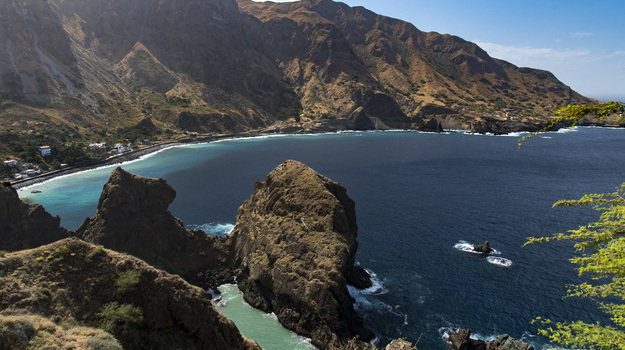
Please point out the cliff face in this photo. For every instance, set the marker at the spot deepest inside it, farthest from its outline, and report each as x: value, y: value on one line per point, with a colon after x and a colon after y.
x: 294, y: 245
x: 133, y: 217
x: 25, y: 226
x: 73, y: 284
x: 224, y: 66
x: 335, y: 52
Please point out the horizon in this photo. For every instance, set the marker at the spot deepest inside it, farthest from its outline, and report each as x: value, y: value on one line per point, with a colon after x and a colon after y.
x: 580, y: 43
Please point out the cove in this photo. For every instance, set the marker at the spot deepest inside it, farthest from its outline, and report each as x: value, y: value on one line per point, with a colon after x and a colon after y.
x: 418, y: 196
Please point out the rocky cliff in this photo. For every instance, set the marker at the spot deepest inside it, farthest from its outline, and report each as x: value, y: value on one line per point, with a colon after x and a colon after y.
x: 294, y: 246
x: 133, y: 217
x: 25, y: 226
x: 94, y: 69
x: 70, y: 285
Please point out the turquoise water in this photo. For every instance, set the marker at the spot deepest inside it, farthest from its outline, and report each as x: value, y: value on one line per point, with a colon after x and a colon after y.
x: 420, y: 198
x: 257, y: 325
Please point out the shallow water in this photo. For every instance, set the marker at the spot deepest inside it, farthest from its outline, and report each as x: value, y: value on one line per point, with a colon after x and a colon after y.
x: 253, y: 324
x: 417, y: 196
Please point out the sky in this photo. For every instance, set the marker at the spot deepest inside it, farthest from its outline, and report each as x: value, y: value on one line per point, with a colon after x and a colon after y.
x: 582, y: 42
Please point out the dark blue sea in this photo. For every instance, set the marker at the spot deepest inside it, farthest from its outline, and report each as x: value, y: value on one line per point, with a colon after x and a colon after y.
x: 420, y: 198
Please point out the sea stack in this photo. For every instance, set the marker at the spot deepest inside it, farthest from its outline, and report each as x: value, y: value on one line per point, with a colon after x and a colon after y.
x: 133, y: 217
x: 294, y: 246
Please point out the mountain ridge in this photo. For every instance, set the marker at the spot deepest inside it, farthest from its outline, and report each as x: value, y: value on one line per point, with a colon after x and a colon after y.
x: 72, y: 71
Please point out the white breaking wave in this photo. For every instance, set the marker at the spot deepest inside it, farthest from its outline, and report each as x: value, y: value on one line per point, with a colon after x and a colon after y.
x: 360, y: 295
x: 213, y: 228
x: 495, y: 260
x: 468, y: 247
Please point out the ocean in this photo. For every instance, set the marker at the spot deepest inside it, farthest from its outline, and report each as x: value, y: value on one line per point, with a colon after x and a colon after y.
x: 421, y: 199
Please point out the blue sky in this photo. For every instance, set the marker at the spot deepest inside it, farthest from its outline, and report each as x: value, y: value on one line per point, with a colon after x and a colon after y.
x: 581, y: 41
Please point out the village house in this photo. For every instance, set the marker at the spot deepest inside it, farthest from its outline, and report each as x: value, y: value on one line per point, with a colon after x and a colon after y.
x: 101, y: 145
x: 10, y: 163
x: 45, y: 151
x: 121, y: 148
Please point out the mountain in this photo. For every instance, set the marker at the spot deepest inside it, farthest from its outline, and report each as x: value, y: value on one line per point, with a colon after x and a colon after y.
x: 76, y: 70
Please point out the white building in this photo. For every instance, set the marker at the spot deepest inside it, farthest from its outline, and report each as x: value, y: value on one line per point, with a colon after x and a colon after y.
x: 45, y: 151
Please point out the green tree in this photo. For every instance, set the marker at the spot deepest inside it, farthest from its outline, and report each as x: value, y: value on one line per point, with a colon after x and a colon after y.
x: 574, y: 113
x: 601, y: 257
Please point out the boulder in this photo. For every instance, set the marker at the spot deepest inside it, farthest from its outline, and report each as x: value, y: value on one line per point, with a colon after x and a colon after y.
x: 461, y: 341
x: 483, y: 248
x: 400, y: 344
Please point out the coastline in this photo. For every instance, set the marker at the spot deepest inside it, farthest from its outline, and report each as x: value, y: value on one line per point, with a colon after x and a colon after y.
x: 150, y: 150
x: 123, y: 158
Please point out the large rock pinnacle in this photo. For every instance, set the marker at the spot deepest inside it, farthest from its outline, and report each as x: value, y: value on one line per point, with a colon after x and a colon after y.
x: 294, y: 246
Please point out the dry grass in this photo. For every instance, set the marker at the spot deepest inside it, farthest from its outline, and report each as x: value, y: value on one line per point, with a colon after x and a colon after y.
x: 28, y: 331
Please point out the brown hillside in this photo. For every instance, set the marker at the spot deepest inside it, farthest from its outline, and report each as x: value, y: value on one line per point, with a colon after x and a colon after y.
x: 73, y: 70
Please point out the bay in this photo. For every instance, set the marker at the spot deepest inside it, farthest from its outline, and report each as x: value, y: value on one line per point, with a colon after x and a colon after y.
x: 419, y: 197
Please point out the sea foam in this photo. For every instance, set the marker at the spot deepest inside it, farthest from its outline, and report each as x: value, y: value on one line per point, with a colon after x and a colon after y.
x: 213, y: 228
x: 468, y: 247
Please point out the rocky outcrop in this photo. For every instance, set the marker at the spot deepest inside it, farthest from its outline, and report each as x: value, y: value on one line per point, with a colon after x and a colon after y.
x: 461, y: 341
x: 483, y: 248
x: 294, y: 245
x: 400, y: 344
x: 432, y: 125
x: 76, y: 283
x: 24, y: 226
x: 133, y: 217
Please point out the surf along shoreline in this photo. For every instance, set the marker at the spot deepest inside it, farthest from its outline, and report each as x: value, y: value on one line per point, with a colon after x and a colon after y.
x: 126, y: 157
x: 138, y: 153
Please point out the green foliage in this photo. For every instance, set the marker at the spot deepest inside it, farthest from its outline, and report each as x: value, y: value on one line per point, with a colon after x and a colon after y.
x: 28, y: 200
x: 116, y: 318
x: 601, y: 258
x: 574, y: 114
x: 127, y: 281
x: 99, y: 250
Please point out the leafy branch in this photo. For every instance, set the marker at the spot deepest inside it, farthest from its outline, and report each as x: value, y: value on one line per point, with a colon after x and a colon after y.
x: 602, y: 259
x: 574, y: 113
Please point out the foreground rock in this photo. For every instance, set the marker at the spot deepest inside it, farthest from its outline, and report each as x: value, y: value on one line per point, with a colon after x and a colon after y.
x: 461, y: 341
x: 25, y: 226
x: 400, y: 344
x: 294, y: 246
x: 133, y: 217
x: 73, y: 284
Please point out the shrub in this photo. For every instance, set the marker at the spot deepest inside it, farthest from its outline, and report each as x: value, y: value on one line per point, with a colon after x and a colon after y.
x: 126, y: 281
x: 116, y: 318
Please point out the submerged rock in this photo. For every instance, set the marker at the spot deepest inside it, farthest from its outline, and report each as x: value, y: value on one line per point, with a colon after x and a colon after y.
x: 294, y: 246
x: 24, y: 226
